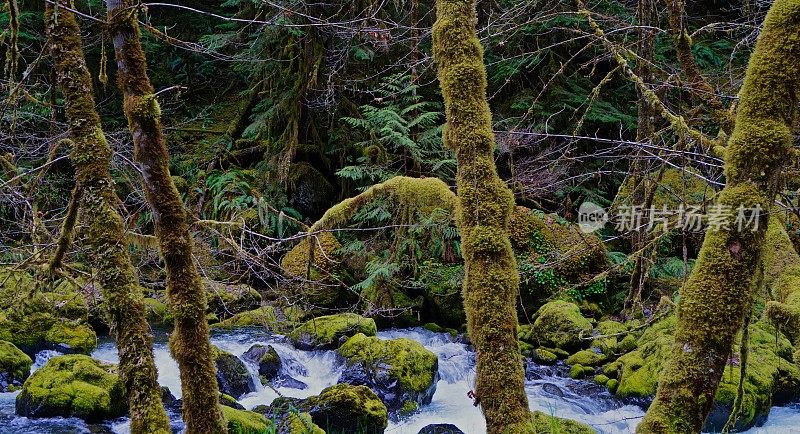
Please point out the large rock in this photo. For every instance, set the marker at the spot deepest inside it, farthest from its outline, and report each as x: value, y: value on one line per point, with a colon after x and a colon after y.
x: 51, y: 318
x: 440, y: 428
x: 559, y: 324
x: 233, y: 377
x: 329, y: 331
x: 226, y: 300
x: 339, y: 409
x: 267, y: 359
x: 73, y: 386
x: 15, y: 366
x: 772, y: 376
x: 401, y: 371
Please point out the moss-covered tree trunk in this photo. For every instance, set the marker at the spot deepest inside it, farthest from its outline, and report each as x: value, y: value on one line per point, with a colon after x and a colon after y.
x: 491, y: 281
x: 719, y: 291
x: 91, y: 156
x: 189, y: 342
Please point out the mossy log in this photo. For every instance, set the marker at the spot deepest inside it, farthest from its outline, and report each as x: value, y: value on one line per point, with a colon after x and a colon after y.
x: 491, y: 280
x: 719, y: 292
x: 91, y: 156
x: 186, y: 296
x: 782, y: 282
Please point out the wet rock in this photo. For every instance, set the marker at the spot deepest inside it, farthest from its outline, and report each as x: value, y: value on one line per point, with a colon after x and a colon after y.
x: 15, y: 366
x: 440, y: 428
x: 267, y: 359
x: 552, y: 389
x: 233, y: 377
x: 73, y: 386
x: 400, y: 371
x: 559, y: 324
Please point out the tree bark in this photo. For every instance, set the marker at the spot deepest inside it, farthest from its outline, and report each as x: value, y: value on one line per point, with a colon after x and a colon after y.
x: 189, y: 342
x: 91, y: 156
x: 491, y: 281
x: 720, y: 289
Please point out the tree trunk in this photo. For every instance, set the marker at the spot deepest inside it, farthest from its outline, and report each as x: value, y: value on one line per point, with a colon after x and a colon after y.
x: 491, y: 280
x: 91, y: 156
x: 719, y: 291
x: 189, y: 342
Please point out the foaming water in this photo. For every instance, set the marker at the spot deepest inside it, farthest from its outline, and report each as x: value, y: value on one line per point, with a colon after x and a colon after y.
x: 549, y: 389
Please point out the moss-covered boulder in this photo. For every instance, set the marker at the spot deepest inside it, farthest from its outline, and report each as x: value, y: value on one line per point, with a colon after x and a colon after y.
x: 233, y: 377
x: 610, y: 334
x: 543, y: 356
x: 73, y: 386
x: 547, y: 424
x: 772, y: 376
x: 314, y: 283
x: 346, y: 409
x: 400, y: 371
x: 226, y: 300
x: 329, y: 331
x: 298, y: 423
x: 586, y: 358
x: 246, y: 422
x: 35, y: 318
x: 267, y: 359
x: 14, y: 367
x: 560, y: 324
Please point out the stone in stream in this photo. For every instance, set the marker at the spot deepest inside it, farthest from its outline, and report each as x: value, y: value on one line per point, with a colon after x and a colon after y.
x: 440, y: 428
x: 267, y: 359
x: 233, y: 377
x: 14, y: 367
x: 401, y: 371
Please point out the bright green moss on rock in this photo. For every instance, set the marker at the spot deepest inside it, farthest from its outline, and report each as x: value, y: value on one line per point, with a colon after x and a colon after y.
x: 232, y: 375
x: 772, y: 376
x: 264, y: 316
x: 547, y: 424
x: 560, y: 324
x: 245, y: 422
x: 346, y: 409
x: 313, y: 282
x: 544, y: 357
x: 580, y: 371
x: 226, y: 300
x: 399, y: 370
x: 73, y: 386
x: 610, y: 344
x: 586, y: 358
x: 78, y: 338
x: 327, y: 331
x: 14, y: 366
x: 301, y: 423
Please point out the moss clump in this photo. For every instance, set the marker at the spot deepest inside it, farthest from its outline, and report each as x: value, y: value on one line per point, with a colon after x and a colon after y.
x: 313, y: 282
x: 546, y: 424
x: 399, y: 370
x: 263, y: 316
x: 156, y: 311
x: 245, y: 422
x: 544, y: 357
x: 612, y: 384
x: 301, y: 423
x: 328, y: 331
x: 580, y: 371
x: 79, y: 338
x: 345, y: 409
x: 610, y: 345
x: 73, y: 386
x: 14, y: 366
x: 601, y: 379
x: 586, y: 358
x: 560, y: 324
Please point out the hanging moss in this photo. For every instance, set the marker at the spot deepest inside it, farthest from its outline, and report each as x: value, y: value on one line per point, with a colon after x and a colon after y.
x: 105, y: 232
x: 782, y: 281
x: 484, y: 209
x: 189, y: 342
x: 719, y: 291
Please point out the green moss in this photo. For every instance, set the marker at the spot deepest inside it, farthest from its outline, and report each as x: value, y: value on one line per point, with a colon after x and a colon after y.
x: 245, y: 422
x: 14, y: 365
x: 586, y: 358
x: 226, y: 300
x: 612, y: 385
x: 580, y: 371
x: 560, y: 324
x: 433, y: 327
x: 326, y: 331
x: 412, y: 365
x: 73, y: 386
x: 544, y: 357
x: 408, y: 408
x: 79, y: 338
x: 156, y: 311
x: 344, y: 409
x: 600, y: 379
x: 264, y: 316
x: 610, y: 345
x: 547, y: 424
x: 301, y: 423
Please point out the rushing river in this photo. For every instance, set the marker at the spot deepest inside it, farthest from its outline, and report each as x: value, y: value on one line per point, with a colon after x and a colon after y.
x: 549, y: 389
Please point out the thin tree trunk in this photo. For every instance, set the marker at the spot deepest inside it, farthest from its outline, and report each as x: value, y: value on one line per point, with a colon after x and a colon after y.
x: 491, y: 281
x: 91, y: 156
x: 189, y: 342
x: 719, y: 291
